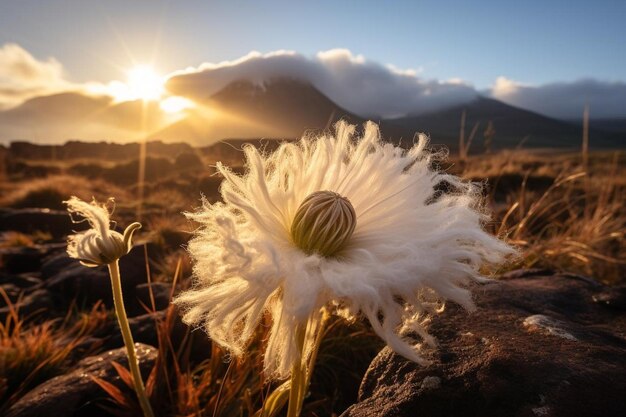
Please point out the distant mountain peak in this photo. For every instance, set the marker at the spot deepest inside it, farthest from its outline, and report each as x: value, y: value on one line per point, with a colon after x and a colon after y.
x: 278, y: 108
x: 512, y: 125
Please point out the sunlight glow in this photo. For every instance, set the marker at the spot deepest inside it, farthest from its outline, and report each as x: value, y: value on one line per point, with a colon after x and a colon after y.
x: 175, y: 104
x: 145, y: 84
x: 142, y: 83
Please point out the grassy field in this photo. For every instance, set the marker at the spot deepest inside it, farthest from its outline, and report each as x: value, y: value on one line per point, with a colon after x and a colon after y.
x: 562, y: 211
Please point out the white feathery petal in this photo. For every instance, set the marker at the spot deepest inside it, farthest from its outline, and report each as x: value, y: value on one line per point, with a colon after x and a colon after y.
x: 418, y: 241
x: 98, y: 245
x: 96, y: 214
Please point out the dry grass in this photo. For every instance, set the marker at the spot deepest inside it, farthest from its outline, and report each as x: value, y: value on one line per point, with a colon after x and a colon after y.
x: 557, y: 214
x: 216, y: 385
x: 16, y: 240
x: 12, y: 239
x: 179, y: 386
x: 223, y: 386
x: 169, y: 200
x: 177, y: 263
x: 575, y: 222
x: 170, y: 232
x: 50, y: 192
x: 31, y: 354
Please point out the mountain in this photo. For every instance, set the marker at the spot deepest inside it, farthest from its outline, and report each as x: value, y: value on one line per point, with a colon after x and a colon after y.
x: 616, y: 125
x: 285, y: 108
x: 282, y: 108
x: 63, y: 116
x: 513, y: 127
x: 102, y: 151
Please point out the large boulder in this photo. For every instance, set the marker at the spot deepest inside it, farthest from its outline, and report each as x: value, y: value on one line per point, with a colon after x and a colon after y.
x: 540, y: 344
x: 16, y: 260
x: 69, y: 280
x: 73, y: 393
x: 19, y: 280
x: 56, y: 222
x: 143, y: 328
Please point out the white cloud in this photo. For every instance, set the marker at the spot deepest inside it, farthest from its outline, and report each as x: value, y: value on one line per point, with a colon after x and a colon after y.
x: 23, y: 76
x: 565, y: 100
x: 361, y: 86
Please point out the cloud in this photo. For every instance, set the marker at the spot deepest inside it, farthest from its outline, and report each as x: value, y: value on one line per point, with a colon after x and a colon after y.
x: 564, y: 100
x: 361, y: 86
x: 23, y: 76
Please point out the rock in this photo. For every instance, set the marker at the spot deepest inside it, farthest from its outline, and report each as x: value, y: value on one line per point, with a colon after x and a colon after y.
x: 548, y: 325
x: 85, y: 285
x: 143, y: 328
x: 612, y: 297
x: 523, y: 273
x: 55, y: 264
x: 56, y: 222
x: 64, y: 395
x: 26, y: 258
x: 20, y: 259
x: 39, y: 301
x: 19, y: 280
x: 69, y: 279
x: 538, y: 345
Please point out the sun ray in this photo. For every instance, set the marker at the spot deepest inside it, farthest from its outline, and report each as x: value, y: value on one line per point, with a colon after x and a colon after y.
x: 145, y: 84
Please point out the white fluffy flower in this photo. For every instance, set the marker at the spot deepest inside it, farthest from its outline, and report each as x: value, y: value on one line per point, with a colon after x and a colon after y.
x: 411, y: 247
x: 98, y: 245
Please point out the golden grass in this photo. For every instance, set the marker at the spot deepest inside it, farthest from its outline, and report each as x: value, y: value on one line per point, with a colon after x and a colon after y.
x: 177, y: 263
x: 576, y: 223
x: 16, y: 240
x: 31, y: 354
x: 559, y: 215
x: 50, y: 192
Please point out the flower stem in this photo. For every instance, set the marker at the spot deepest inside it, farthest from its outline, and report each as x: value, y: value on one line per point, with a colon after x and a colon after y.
x: 302, y: 370
x: 122, y: 319
x: 298, y: 376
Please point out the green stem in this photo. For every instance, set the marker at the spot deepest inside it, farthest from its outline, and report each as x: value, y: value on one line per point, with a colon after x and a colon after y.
x: 122, y: 319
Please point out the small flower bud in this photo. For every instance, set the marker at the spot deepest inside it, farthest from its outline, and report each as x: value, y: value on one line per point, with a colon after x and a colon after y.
x: 98, y: 245
x: 94, y: 250
x: 323, y: 223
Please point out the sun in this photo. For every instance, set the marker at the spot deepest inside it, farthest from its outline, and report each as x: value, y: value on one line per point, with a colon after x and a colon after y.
x: 144, y: 83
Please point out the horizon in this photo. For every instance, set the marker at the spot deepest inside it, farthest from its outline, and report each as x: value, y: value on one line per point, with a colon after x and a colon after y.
x: 171, y: 58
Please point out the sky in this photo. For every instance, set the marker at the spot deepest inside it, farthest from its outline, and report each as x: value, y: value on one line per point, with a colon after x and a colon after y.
x: 547, y: 56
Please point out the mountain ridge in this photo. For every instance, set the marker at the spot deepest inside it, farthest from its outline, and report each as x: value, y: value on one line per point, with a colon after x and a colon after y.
x: 284, y: 108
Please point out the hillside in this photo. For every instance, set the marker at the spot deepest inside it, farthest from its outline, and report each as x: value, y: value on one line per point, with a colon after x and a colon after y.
x: 65, y: 116
x: 513, y: 126
x: 283, y: 108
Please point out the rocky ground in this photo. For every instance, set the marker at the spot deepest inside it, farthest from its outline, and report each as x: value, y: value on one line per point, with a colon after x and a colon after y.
x: 541, y: 343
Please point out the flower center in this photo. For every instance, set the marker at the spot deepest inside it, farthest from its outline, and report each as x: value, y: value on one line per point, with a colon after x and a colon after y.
x: 323, y: 223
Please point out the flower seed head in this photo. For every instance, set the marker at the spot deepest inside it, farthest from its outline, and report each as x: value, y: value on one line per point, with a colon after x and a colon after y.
x: 323, y: 223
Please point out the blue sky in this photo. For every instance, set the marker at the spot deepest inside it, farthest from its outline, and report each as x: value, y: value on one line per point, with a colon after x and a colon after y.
x: 533, y: 42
